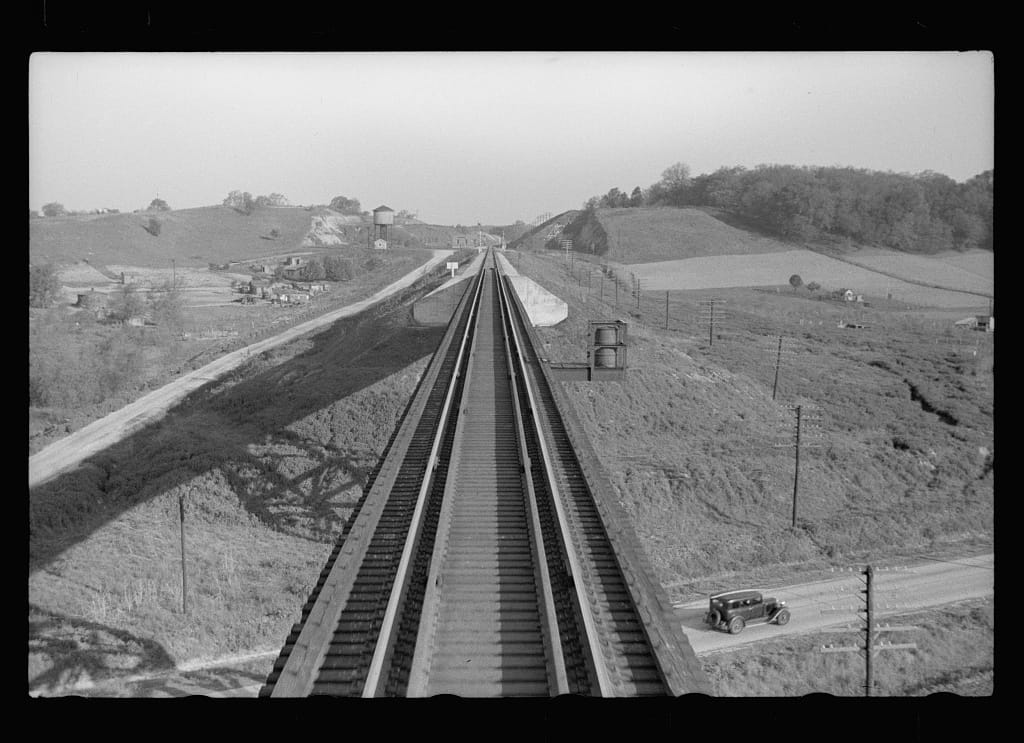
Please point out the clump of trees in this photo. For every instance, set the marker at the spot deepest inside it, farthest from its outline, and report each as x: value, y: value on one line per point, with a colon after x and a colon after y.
x: 345, y: 205
x: 158, y: 205
x: 337, y: 268
x: 43, y: 285
x: 241, y: 201
x: 244, y: 202
x: 795, y: 281
x: 927, y: 212
x: 53, y: 209
x: 274, y: 199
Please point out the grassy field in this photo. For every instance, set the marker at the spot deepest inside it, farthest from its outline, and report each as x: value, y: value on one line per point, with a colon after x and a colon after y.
x: 667, y: 233
x: 954, y: 654
x: 905, y: 445
x: 971, y: 271
x: 775, y: 269
x: 193, y: 237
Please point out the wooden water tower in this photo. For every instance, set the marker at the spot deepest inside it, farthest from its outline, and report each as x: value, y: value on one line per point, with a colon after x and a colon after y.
x: 383, y: 217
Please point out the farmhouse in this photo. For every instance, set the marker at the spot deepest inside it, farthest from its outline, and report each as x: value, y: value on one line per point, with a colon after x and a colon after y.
x: 984, y: 323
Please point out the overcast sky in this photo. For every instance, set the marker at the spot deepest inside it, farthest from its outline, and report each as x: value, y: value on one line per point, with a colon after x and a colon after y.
x: 484, y: 137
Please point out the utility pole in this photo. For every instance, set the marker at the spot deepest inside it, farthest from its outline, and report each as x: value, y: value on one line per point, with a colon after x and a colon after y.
x: 806, y: 415
x: 184, y: 579
x: 707, y: 314
x: 796, y: 473
x: 870, y: 648
x: 778, y: 362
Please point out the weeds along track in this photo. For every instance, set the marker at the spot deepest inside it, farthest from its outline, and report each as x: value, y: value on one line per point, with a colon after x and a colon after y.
x: 479, y: 563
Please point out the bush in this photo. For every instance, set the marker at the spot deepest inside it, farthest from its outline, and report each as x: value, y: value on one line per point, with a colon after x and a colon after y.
x: 241, y: 202
x: 313, y: 271
x: 43, y: 285
x: 337, y: 268
x: 158, y: 205
x: 53, y: 209
x: 153, y: 226
x: 813, y: 286
x: 127, y: 303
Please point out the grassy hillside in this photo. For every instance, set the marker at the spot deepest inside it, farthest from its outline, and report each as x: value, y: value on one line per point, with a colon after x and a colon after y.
x: 209, y: 234
x: 668, y: 233
x: 689, y: 438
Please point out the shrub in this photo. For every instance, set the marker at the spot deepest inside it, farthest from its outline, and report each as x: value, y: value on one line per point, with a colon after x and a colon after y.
x: 313, y: 271
x: 43, y: 285
x: 337, y: 268
x: 153, y: 226
x: 813, y: 286
x: 53, y: 209
x: 241, y: 202
x: 126, y: 303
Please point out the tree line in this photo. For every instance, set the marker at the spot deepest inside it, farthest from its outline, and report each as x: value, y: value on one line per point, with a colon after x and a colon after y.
x: 925, y: 212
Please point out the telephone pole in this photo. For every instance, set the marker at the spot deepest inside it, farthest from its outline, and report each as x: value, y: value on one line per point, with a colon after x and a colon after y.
x: 796, y: 472
x: 184, y: 579
x: 778, y: 362
x: 707, y: 315
x: 871, y: 645
x: 806, y: 415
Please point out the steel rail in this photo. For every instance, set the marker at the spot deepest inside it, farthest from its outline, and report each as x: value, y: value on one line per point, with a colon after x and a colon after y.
x: 417, y: 685
x: 604, y: 679
x: 375, y: 677
x: 559, y: 677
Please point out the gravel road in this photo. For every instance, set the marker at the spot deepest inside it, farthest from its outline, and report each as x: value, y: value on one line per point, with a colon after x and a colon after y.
x: 896, y: 592
x: 66, y: 453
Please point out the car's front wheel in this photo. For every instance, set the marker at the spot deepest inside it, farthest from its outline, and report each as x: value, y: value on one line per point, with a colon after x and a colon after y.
x: 782, y: 617
x: 736, y: 625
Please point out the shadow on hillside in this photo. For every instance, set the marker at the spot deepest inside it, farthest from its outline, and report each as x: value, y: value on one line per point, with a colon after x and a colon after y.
x: 74, y: 650
x: 249, y: 426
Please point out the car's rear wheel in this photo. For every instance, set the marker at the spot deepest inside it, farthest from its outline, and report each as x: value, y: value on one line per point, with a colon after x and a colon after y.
x: 782, y: 617
x: 714, y: 618
x: 736, y: 625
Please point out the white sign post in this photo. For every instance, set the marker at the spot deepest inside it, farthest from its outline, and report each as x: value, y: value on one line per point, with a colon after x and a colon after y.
x: 452, y: 266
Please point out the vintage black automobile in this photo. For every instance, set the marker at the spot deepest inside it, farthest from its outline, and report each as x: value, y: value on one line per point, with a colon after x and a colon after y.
x: 734, y: 610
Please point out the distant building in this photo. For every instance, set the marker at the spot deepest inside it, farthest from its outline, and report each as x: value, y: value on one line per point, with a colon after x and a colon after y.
x: 985, y: 323
x: 380, y: 244
x: 294, y: 260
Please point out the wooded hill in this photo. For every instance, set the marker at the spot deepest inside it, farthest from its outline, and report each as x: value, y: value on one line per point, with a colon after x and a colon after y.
x: 923, y: 213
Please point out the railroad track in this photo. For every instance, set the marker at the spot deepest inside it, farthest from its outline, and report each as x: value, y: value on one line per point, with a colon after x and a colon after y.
x: 480, y: 562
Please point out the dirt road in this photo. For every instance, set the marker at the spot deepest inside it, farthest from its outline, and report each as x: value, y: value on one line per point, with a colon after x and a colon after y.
x: 98, y: 435
x: 896, y: 591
